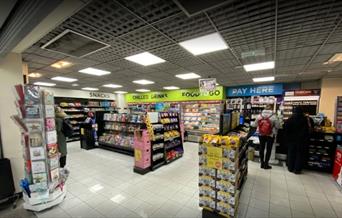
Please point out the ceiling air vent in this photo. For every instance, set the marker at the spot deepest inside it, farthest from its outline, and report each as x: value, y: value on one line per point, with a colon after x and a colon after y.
x: 74, y: 44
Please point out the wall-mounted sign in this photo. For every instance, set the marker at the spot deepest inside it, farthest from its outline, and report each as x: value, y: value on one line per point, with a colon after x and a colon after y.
x: 176, y: 95
x: 99, y: 95
x: 207, y: 85
x: 303, y: 92
x: 254, y: 90
x: 80, y: 94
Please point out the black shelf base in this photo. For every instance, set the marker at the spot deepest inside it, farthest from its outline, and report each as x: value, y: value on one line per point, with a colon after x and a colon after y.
x: 141, y: 171
x: 116, y: 149
x: 210, y: 214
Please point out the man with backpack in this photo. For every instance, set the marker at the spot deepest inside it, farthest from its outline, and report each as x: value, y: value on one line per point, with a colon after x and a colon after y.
x: 268, y: 126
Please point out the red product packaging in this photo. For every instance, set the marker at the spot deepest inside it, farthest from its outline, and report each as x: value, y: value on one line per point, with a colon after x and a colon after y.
x: 337, y: 163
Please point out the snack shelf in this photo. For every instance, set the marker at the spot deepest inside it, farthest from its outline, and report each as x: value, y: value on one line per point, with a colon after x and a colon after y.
x: 118, y: 148
x: 171, y: 147
x: 174, y: 159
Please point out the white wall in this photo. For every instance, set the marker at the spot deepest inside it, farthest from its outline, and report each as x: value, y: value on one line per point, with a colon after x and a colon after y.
x: 11, y: 74
x: 331, y: 88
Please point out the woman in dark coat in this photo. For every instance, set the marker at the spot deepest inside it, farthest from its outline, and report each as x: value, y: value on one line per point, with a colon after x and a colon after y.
x: 296, y: 136
x: 61, y: 139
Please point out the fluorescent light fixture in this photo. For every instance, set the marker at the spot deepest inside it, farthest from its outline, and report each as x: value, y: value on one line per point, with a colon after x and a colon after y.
x: 188, y: 76
x: 90, y: 89
x: 64, y: 79
x: 259, y: 66
x: 145, y: 59
x: 336, y: 58
x: 170, y: 87
x: 61, y: 64
x: 120, y: 92
x: 75, y: 84
x: 263, y: 79
x: 35, y: 75
x: 143, y: 82
x: 44, y: 84
x: 205, y: 44
x: 94, y: 71
x: 143, y: 90
x: 113, y: 86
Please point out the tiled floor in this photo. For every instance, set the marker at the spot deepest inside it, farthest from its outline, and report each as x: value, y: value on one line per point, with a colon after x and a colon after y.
x: 102, y: 184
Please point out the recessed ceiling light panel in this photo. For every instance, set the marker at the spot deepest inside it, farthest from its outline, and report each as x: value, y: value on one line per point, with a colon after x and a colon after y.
x: 263, y: 79
x: 336, y: 58
x: 145, y: 59
x: 170, y: 87
x: 205, y: 44
x: 259, y: 66
x: 64, y: 79
x: 44, y: 84
x: 90, y: 89
x: 143, y: 90
x: 94, y: 71
x: 188, y: 76
x: 61, y: 64
x: 143, y: 82
x: 113, y: 86
x: 75, y: 84
x: 35, y: 75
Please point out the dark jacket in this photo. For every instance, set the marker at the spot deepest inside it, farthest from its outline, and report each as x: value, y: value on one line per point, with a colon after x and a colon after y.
x: 61, y: 139
x: 296, y: 129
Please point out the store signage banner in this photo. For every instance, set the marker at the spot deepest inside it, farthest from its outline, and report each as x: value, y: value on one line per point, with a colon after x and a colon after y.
x: 254, y: 90
x: 207, y: 85
x: 303, y: 92
x: 176, y: 95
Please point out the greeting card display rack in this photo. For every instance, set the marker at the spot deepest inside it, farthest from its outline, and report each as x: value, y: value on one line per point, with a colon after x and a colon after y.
x: 222, y: 172
x: 43, y: 186
x: 160, y: 143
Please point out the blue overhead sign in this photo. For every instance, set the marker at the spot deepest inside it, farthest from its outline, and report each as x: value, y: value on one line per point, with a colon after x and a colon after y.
x: 254, y: 90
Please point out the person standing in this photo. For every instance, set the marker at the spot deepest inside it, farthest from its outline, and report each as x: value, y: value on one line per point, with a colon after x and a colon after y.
x: 61, y: 138
x: 297, y: 130
x: 268, y: 126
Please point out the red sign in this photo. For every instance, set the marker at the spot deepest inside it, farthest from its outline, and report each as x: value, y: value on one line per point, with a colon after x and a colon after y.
x: 303, y: 92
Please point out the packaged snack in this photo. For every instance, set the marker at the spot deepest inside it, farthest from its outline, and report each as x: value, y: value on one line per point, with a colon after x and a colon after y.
x: 225, y: 186
x: 206, y: 202
x: 225, y: 209
x: 206, y: 191
x: 206, y: 181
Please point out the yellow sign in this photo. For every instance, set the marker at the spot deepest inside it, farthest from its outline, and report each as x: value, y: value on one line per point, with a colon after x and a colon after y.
x: 214, y: 157
x: 137, y: 154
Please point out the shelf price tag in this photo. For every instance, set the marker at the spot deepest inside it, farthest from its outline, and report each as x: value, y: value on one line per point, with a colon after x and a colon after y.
x: 214, y: 157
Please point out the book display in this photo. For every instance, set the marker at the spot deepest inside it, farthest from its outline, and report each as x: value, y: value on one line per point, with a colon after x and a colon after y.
x: 43, y: 186
x: 77, y: 108
x: 222, y: 172
x: 199, y: 118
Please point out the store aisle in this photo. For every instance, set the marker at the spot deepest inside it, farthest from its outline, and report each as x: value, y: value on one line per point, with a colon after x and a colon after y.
x: 102, y: 184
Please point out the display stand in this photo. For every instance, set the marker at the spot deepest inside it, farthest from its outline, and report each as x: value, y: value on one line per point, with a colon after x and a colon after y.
x: 87, y: 138
x: 43, y: 186
x: 223, y: 170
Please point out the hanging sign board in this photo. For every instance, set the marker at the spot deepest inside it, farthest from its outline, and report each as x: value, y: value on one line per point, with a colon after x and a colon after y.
x: 176, y: 95
x: 207, y: 85
x: 255, y: 90
x: 303, y: 92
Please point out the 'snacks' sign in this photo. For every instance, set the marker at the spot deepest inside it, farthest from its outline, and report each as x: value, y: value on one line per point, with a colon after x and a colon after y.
x: 176, y: 95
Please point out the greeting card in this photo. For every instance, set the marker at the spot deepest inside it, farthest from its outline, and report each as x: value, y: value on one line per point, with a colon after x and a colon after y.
x: 38, y: 187
x: 51, y: 137
x: 50, y: 124
x: 32, y: 95
x: 37, y: 153
x: 39, y: 177
x: 48, y: 98
x: 54, y: 174
x: 36, y: 139
x: 32, y: 112
x: 52, y: 150
x: 38, y: 167
x: 54, y: 162
x: 49, y: 111
x: 34, y: 126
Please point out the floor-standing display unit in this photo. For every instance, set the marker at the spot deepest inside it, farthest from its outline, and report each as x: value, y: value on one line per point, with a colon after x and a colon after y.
x: 77, y: 108
x: 43, y: 186
x: 338, y: 115
x: 222, y: 172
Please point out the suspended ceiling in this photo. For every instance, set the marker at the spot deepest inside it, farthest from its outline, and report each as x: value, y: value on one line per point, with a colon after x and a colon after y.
x: 299, y: 35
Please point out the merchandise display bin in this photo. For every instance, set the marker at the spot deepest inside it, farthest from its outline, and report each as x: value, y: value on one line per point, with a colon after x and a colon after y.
x: 142, y: 151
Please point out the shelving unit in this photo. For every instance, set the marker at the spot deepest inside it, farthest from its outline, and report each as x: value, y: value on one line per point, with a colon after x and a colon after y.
x: 77, y: 108
x: 157, y: 146
x: 338, y: 114
x: 117, y: 132
x: 321, y: 151
x: 201, y: 118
